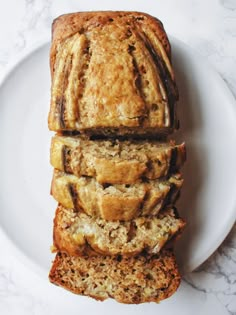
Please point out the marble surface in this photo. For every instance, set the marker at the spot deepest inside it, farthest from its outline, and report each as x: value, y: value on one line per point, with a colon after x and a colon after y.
x: 207, y: 26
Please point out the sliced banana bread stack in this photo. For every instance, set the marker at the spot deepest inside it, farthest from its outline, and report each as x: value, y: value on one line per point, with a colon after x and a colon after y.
x: 116, y: 175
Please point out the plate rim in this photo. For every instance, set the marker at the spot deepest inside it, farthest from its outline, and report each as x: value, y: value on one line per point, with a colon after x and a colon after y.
x: 229, y: 224
x: 20, y: 58
x: 8, y: 70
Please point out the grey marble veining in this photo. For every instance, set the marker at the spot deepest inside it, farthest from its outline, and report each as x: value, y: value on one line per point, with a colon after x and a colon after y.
x: 218, y: 274
x: 229, y: 4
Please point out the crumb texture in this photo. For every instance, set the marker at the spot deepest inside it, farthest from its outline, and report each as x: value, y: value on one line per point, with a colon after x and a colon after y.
x: 127, y: 280
x: 116, y: 162
x: 75, y: 233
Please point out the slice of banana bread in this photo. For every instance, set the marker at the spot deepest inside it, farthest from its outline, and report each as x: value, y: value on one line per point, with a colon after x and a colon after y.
x: 111, y: 74
x: 77, y: 233
x: 116, y: 162
x: 114, y: 202
x: 130, y: 280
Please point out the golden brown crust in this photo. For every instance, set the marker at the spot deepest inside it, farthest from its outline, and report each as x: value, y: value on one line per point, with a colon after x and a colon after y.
x: 116, y: 162
x: 114, y: 202
x: 131, y: 86
x: 132, y: 280
x: 77, y: 233
x: 67, y: 25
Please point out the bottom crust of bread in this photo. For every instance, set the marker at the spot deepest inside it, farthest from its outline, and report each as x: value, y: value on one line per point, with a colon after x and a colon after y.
x: 131, y: 280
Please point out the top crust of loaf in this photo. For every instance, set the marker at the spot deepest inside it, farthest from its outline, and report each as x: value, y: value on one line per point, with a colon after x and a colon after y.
x: 111, y: 74
x: 67, y: 25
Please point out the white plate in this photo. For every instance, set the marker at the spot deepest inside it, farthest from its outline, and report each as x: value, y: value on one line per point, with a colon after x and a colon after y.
x: 208, y: 125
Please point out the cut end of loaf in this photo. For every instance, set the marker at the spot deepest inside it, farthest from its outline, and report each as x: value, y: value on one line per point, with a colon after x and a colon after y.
x: 127, y: 280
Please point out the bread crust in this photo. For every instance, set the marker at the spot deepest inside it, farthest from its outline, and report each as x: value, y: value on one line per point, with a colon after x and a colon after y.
x: 114, y: 202
x: 131, y: 280
x: 67, y: 25
x: 131, y: 87
x: 116, y: 162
